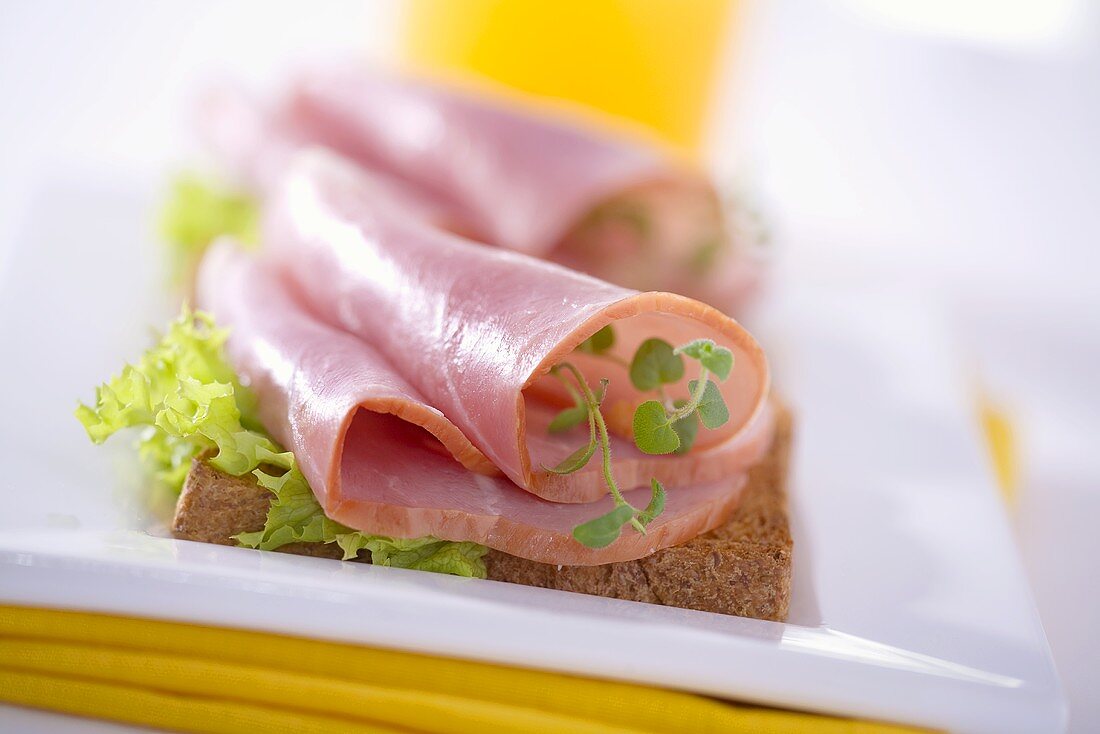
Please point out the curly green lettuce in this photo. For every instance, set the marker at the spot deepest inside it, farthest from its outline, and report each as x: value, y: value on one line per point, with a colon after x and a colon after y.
x: 196, y: 212
x: 187, y: 401
x: 296, y: 517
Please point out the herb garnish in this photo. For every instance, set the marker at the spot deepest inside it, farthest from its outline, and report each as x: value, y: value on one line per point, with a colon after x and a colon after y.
x: 661, y: 426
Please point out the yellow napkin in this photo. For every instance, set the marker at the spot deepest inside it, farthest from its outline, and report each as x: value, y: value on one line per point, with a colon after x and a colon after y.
x: 208, y: 679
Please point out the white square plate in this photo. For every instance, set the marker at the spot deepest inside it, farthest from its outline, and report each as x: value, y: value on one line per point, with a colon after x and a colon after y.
x: 909, y: 602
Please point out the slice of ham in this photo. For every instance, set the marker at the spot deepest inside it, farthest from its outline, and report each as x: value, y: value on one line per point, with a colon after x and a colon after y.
x: 382, y: 460
x: 613, y: 206
x: 312, y: 373
x: 632, y: 467
x: 256, y: 143
x: 473, y: 328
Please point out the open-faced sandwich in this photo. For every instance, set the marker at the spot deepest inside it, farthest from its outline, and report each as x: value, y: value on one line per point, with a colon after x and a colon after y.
x: 383, y: 367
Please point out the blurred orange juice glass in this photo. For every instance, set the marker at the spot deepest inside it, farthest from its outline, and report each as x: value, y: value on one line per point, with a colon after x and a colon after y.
x: 652, y: 62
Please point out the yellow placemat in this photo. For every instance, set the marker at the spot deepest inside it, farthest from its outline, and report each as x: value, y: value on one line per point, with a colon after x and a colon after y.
x: 208, y: 679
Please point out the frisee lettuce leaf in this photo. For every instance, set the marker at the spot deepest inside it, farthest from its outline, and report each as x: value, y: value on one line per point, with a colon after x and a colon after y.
x: 197, y: 211
x: 185, y: 397
x: 188, y: 402
x: 296, y: 517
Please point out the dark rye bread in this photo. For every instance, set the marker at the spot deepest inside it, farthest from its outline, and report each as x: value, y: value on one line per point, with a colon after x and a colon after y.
x: 741, y: 568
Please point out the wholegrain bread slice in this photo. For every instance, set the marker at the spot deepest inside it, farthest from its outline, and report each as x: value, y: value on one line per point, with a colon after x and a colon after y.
x: 741, y: 568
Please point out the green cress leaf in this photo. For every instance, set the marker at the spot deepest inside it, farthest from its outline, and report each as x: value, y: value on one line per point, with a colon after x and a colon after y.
x: 686, y: 428
x: 656, y: 504
x: 655, y: 363
x: 703, y: 259
x: 718, y: 360
x: 712, y: 410
x: 636, y: 216
x: 575, y: 461
x: 579, y: 458
x: 652, y: 432
x: 697, y: 348
x: 632, y: 214
x: 572, y: 417
x: 568, y: 418
x: 605, y: 529
x: 599, y: 342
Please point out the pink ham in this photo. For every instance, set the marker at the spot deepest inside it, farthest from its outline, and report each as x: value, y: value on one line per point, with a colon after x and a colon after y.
x: 476, y: 329
x: 616, y: 208
x: 256, y: 144
x: 382, y: 460
x: 313, y: 373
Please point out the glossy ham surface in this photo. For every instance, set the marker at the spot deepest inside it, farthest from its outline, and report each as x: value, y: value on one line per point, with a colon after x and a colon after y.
x: 506, y: 174
x: 382, y: 460
x: 471, y: 327
x: 429, y: 494
x: 310, y: 377
x: 524, y: 180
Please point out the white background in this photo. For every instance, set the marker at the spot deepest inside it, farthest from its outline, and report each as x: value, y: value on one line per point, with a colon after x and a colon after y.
x: 957, y: 142
x: 971, y: 158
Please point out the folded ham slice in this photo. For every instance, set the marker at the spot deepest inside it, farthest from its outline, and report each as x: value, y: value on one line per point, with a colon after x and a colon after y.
x: 614, y: 207
x: 476, y: 329
x: 381, y: 459
x: 257, y: 143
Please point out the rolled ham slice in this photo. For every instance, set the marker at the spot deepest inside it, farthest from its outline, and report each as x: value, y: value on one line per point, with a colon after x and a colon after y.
x: 475, y: 329
x: 256, y: 143
x: 612, y: 206
x: 382, y: 460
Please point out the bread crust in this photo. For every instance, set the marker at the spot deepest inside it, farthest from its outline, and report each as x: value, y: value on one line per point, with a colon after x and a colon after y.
x: 742, y: 567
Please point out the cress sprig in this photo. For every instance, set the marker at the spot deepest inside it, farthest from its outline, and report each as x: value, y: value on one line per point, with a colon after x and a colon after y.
x: 603, y: 530
x: 660, y: 426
